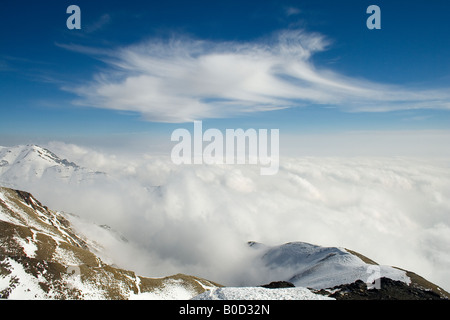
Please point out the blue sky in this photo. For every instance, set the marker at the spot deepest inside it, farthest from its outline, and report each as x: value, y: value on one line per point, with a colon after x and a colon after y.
x: 148, y: 67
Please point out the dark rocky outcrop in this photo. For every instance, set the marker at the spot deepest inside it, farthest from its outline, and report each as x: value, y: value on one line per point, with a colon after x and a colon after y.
x: 278, y: 284
x: 389, y: 290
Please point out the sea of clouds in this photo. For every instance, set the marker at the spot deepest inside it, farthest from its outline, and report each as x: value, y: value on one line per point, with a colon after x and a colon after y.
x: 197, y: 219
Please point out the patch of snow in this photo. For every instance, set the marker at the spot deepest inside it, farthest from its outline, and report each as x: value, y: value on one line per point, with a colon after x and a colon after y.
x: 260, y: 293
x: 88, y: 290
x: 4, y: 215
x: 25, y: 287
x: 204, y: 286
x: 172, y: 290
x: 65, y: 257
x: 29, y: 247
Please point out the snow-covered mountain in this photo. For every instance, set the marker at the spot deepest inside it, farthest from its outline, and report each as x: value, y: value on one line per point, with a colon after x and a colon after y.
x: 42, y: 257
x: 27, y: 164
x: 302, y: 271
x: 318, y: 267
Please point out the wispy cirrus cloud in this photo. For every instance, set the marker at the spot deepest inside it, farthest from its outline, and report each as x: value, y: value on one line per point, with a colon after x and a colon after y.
x: 292, y: 11
x: 104, y: 20
x: 184, y: 79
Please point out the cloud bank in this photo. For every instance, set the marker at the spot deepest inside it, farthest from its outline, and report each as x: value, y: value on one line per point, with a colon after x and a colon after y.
x: 196, y: 219
x: 182, y: 79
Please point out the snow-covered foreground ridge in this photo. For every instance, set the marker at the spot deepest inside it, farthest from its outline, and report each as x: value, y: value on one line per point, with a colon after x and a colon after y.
x: 42, y: 257
x: 260, y: 293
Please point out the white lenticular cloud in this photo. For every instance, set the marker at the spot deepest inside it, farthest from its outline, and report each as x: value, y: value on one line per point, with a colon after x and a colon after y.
x: 196, y: 219
x: 184, y: 79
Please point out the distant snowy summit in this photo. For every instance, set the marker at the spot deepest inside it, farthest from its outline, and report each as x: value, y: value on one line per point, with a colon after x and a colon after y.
x: 25, y: 164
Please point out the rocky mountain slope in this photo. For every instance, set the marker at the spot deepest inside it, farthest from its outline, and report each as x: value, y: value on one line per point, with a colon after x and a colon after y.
x: 41, y: 257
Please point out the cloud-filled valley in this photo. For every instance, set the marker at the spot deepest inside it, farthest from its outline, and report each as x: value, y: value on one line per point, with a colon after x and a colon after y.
x: 197, y: 219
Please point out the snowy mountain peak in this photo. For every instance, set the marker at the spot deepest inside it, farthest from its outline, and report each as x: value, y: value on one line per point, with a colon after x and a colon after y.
x: 23, y: 165
x: 28, y: 153
x: 313, y: 266
x: 47, y: 155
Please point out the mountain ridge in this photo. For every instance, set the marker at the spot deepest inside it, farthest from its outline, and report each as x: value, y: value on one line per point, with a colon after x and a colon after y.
x: 42, y: 258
